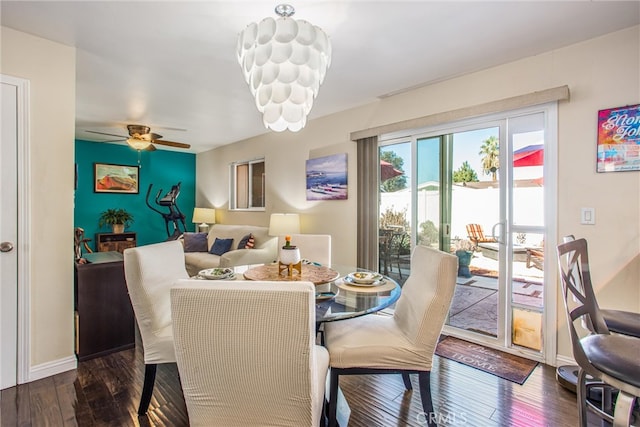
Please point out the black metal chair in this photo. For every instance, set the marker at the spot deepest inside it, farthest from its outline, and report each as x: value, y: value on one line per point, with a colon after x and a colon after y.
x: 613, y: 361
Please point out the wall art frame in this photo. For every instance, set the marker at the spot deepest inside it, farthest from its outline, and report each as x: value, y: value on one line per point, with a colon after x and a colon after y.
x: 618, y: 146
x: 111, y: 178
x: 327, y: 178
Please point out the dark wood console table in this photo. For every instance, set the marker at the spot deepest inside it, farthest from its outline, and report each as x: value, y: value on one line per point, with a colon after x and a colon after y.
x: 104, y: 317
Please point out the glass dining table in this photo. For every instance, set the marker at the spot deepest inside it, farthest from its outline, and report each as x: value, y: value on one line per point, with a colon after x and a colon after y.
x: 337, y: 296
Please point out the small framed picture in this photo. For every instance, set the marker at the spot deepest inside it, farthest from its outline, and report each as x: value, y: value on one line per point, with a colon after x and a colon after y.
x: 619, y: 139
x: 108, y: 178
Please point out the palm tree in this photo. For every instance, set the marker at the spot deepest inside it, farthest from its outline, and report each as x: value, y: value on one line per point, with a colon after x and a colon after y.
x: 490, y: 150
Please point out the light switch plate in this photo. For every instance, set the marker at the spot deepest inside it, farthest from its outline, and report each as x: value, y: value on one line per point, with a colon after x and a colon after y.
x: 588, y: 216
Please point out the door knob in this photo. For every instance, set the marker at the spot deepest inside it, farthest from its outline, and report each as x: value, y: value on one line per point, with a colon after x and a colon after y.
x: 6, y: 247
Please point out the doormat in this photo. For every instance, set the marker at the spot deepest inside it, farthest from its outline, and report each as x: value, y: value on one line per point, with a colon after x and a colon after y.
x: 504, y: 365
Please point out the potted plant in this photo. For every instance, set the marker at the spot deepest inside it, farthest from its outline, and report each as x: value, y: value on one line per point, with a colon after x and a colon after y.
x: 118, y: 219
x: 464, y: 252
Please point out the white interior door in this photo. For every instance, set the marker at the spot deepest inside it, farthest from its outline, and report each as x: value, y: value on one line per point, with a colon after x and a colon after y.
x: 8, y: 237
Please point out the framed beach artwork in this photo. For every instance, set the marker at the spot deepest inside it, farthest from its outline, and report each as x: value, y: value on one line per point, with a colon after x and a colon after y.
x: 327, y: 178
x: 619, y: 139
x: 108, y: 178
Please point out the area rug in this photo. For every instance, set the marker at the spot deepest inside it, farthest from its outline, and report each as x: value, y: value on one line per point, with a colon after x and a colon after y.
x: 504, y: 365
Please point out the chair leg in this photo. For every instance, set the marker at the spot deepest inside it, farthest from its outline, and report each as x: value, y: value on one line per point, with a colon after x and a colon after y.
x: 333, y: 397
x: 624, y: 409
x: 424, y: 379
x: 581, y: 391
x: 147, y: 388
x: 407, y: 381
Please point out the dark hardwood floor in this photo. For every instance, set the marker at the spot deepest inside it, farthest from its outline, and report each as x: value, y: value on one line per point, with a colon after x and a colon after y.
x: 105, y: 392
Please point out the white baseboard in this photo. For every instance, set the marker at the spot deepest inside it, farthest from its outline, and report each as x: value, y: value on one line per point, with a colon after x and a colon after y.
x: 564, y: 360
x: 52, y: 368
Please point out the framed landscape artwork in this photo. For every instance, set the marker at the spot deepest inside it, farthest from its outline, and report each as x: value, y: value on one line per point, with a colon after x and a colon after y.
x: 619, y: 139
x: 327, y: 178
x: 109, y: 178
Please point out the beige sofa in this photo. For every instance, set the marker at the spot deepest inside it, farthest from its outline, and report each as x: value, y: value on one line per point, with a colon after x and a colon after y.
x: 265, y: 248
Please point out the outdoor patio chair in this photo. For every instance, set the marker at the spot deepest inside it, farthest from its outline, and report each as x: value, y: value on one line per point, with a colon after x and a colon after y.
x: 476, y: 235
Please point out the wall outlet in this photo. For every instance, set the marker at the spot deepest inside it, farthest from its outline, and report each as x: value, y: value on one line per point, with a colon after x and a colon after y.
x: 588, y: 216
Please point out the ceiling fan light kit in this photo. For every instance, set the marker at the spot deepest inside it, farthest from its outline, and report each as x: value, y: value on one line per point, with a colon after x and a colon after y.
x: 138, y: 144
x: 284, y: 61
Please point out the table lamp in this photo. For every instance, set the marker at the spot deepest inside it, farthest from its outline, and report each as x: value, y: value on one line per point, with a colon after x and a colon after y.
x: 284, y: 223
x: 204, y: 216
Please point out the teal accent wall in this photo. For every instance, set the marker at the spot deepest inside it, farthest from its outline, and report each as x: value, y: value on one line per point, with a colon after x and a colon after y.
x: 161, y: 168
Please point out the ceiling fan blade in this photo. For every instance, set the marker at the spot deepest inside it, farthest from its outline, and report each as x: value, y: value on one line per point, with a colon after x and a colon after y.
x: 153, y: 136
x: 114, y: 140
x: 104, y: 133
x: 171, y: 143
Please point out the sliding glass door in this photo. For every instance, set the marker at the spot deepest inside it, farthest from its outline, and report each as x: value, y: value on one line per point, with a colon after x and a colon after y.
x: 476, y: 189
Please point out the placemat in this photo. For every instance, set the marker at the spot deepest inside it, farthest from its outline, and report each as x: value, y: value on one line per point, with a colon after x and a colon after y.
x: 386, y: 286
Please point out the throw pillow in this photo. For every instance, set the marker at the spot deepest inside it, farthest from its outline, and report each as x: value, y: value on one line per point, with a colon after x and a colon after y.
x: 247, y: 242
x: 195, y: 242
x: 221, y: 246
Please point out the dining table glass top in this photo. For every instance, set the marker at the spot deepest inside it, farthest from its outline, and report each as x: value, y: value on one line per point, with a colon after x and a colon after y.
x: 338, y: 297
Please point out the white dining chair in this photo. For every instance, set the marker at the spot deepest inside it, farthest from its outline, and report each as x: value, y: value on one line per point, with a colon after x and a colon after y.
x: 246, y: 353
x: 403, y: 343
x: 150, y: 271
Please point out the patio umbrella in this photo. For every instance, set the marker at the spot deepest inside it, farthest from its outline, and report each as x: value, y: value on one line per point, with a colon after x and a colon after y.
x: 531, y: 155
x: 387, y: 171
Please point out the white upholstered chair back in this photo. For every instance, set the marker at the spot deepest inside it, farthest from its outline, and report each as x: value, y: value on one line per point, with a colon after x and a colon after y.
x: 150, y: 272
x: 246, y: 353
x: 426, y: 296
x: 313, y: 247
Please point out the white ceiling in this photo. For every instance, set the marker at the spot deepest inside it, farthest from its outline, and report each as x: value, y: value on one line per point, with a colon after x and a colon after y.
x: 172, y: 65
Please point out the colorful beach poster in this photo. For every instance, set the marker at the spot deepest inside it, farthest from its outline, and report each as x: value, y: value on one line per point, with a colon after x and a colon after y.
x: 619, y: 139
x: 327, y: 178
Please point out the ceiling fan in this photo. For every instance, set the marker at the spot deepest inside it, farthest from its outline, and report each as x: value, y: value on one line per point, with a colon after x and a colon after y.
x: 141, y: 138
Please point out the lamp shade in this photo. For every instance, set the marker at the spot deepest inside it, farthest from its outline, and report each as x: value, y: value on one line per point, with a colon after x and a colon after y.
x: 284, y: 223
x: 204, y: 215
x: 284, y: 61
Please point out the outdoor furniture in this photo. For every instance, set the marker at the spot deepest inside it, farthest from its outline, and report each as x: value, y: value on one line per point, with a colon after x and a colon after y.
x: 399, y: 254
x: 246, y: 353
x: 403, y: 343
x: 610, y: 359
x: 476, y: 235
x: 150, y: 271
x: 535, y: 258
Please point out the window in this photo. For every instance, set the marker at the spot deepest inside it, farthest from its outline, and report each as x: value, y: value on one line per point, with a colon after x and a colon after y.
x: 247, y: 185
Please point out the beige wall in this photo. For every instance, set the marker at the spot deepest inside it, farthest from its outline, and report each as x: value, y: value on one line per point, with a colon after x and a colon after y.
x: 50, y: 69
x: 600, y: 73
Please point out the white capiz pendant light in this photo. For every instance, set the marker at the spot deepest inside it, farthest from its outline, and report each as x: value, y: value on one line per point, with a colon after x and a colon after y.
x: 284, y: 61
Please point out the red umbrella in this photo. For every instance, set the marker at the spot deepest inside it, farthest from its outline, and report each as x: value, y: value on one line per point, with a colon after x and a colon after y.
x: 387, y: 171
x: 531, y: 155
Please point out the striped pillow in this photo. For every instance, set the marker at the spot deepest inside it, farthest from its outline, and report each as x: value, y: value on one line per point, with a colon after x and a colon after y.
x: 247, y: 242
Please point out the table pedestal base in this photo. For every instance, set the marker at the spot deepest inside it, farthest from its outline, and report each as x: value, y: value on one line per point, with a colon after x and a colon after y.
x: 289, y: 268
